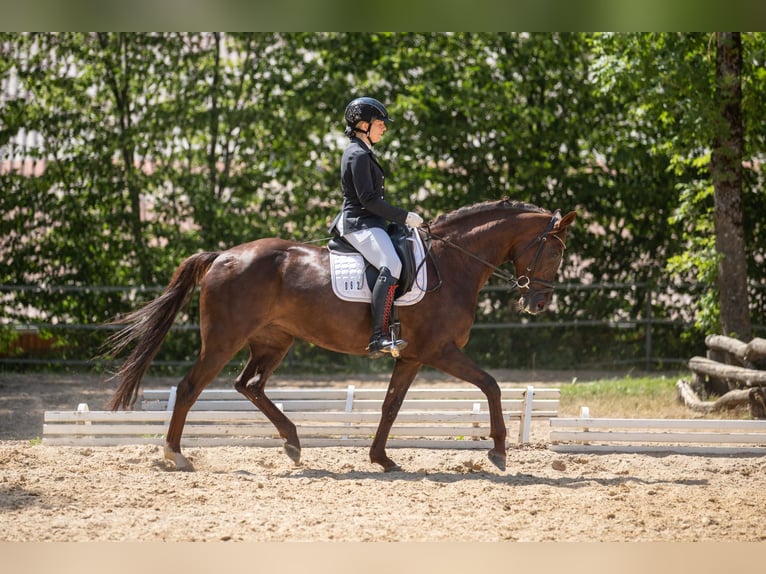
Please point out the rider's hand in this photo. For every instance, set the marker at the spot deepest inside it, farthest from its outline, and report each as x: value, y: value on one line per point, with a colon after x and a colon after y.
x: 413, y: 220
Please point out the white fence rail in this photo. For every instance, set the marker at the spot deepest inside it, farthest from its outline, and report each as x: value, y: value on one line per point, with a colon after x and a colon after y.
x: 434, y: 418
x: 680, y: 436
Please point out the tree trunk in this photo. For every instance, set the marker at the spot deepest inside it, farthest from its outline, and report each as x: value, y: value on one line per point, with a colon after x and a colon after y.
x: 726, y: 171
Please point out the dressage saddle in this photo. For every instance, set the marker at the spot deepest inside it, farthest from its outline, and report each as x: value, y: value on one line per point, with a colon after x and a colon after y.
x: 399, y: 237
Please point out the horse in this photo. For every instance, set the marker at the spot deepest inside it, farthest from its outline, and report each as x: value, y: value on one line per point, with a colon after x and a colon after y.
x: 266, y: 293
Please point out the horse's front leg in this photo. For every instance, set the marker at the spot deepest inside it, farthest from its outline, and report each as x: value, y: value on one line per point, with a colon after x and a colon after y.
x: 454, y: 362
x: 401, y: 379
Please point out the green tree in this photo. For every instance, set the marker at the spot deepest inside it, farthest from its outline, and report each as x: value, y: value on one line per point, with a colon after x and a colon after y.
x: 683, y: 112
x: 148, y: 147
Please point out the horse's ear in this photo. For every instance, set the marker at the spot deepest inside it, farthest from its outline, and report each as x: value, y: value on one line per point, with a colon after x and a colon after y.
x: 566, y: 220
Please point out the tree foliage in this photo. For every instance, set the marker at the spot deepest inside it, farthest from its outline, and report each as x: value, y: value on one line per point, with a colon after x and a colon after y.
x: 667, y: 85
x: 148, y: 147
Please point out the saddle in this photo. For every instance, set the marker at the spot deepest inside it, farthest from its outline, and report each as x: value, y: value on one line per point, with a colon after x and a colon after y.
x: 353, y: 276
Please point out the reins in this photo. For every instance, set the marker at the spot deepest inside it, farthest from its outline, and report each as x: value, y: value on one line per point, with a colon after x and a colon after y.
x: 496, y: 271
x: 522, y: 282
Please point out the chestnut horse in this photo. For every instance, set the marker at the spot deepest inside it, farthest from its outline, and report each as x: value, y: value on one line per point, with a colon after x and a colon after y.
x: 265, y: 293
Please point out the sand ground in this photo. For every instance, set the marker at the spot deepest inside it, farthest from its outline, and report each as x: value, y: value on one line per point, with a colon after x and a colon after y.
x: 256, y: 494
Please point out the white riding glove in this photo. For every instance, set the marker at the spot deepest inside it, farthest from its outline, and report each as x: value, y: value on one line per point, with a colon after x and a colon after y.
x: 413, y: 220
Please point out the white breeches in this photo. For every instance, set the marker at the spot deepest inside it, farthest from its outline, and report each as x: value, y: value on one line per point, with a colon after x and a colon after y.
x: 375, y: 246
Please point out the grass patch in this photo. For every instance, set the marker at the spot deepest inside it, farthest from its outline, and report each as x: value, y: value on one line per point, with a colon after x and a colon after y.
x: 643, y: 397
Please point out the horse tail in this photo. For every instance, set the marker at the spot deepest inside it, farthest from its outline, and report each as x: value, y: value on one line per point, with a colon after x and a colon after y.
x: 149, y: 326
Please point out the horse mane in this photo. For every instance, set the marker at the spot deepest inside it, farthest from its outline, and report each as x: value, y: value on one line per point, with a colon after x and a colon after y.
x: 470, y: 210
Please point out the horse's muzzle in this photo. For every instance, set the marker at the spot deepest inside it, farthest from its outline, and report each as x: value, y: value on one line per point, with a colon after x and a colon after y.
x: 534, y: 302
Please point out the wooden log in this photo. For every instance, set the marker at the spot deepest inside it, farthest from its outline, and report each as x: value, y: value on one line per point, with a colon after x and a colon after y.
x: 751, y: 355
x: 755, y: 353
x: 758, y: 402
x: 731, y: 373
x: 725, y: 343
x: 709, y: 384
x: 690, y: 399
x: 730, y: 400
x: 734, y: 348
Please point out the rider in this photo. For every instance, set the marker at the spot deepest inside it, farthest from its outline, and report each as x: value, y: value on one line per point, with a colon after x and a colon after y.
x: 364, y: 215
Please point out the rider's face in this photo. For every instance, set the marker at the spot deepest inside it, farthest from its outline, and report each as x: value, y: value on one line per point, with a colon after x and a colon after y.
x: 377, y: 130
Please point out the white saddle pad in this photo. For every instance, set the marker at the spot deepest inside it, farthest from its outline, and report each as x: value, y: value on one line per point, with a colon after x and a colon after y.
x: 350, y: 284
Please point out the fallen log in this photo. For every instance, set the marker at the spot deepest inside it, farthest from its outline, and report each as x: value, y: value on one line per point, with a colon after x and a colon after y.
x: 755, y: 398
x: 731, y: 373
x: 755, y: 353
x: 731, y: 347
x: 750, y: 355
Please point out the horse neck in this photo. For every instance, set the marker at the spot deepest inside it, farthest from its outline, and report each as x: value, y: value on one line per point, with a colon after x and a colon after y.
x: 496, y: 235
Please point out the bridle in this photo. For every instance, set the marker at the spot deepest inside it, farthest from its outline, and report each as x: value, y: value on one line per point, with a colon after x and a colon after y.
x: 540, y: 241
x: 524, y: 281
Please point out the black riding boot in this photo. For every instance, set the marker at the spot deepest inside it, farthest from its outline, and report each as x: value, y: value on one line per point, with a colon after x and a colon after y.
x: 382, y: 340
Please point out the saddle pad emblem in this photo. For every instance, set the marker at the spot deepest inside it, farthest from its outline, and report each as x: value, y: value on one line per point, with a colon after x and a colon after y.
x: 349, y: 283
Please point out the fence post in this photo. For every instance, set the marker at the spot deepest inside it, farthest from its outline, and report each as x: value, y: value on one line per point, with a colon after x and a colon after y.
x: 648, y: 328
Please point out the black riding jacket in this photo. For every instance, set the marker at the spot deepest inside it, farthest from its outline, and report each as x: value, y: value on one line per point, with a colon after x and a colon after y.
x: 362, y: 181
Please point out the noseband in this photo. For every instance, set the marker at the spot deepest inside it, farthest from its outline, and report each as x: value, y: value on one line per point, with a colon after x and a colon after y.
x: 524, y: 281
x: 528, y: 278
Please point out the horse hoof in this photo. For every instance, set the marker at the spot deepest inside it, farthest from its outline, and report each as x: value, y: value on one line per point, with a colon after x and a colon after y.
x: 387, y: 464
x: 294, y: 453
x: 181, y: 462
x: 497, y: 459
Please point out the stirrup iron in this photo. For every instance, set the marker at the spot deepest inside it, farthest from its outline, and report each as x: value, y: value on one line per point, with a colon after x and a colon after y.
x: 394, y: 345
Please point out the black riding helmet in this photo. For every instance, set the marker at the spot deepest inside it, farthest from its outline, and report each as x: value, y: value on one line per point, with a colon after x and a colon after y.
x: 364, y: 109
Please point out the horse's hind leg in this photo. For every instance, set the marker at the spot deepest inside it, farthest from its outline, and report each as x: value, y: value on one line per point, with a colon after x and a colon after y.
x: 265, y: 357
x: 199, y: 376
x: 401, y: 379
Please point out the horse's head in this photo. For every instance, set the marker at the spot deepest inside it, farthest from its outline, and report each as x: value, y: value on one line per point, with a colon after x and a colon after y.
x: 539, y: 260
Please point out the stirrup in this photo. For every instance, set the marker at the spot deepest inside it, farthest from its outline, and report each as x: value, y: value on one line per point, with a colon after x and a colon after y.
x: 396, y: 347
x: 377, y: 349
x: 381, y: 345
x: 393, y: 344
